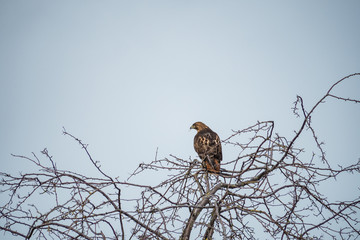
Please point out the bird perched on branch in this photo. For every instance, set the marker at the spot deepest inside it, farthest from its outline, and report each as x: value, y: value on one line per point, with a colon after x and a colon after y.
x: 208, y: 146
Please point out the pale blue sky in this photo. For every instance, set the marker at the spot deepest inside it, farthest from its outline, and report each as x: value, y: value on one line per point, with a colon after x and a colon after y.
x: 127, y: 77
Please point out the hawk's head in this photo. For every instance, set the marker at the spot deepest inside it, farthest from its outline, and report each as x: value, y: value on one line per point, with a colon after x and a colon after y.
x: 198, y: 126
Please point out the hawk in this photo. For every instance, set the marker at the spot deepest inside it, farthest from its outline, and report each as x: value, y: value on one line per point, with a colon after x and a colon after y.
x: 208, y: 146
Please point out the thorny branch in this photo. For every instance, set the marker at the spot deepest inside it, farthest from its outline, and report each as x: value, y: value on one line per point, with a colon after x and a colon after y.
x: 270, y: 187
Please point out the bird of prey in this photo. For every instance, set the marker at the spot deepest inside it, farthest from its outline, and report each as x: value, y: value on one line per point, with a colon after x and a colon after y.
x: 208, y: 146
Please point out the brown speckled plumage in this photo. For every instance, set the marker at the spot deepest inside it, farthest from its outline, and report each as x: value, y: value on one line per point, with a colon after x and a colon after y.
x: 208, y: 146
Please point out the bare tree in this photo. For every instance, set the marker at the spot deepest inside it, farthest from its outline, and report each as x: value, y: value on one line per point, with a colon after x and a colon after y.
x: 269, y: 188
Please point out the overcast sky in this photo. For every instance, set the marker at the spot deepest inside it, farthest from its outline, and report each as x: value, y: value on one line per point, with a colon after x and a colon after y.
x: 128, y: 77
